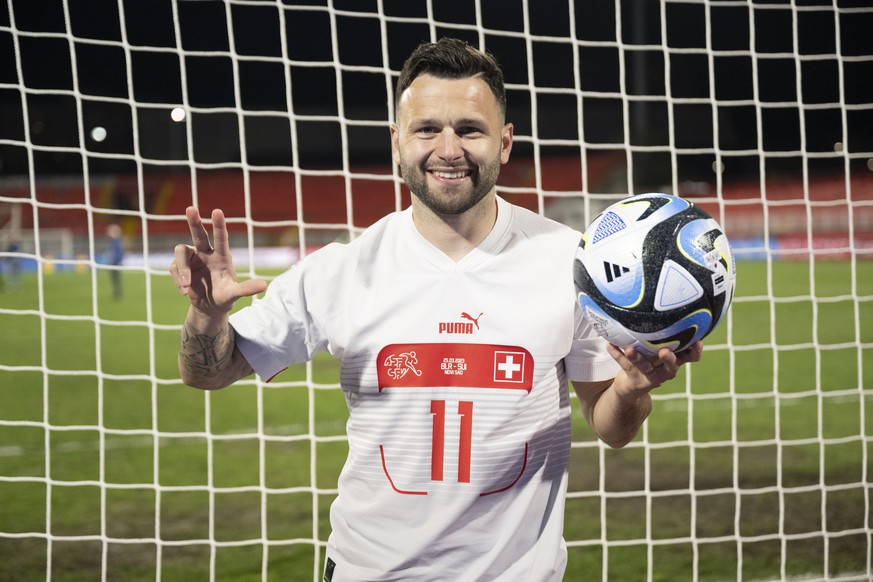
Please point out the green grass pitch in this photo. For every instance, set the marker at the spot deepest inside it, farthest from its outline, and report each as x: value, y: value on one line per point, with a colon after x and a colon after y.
x: 756, y: 465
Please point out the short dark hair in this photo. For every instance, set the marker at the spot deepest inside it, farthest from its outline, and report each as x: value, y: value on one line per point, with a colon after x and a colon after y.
x: 451, y: 58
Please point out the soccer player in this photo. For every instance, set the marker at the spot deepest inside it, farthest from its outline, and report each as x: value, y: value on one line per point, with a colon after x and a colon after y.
x: 115, y: 257
x: 457, y: 329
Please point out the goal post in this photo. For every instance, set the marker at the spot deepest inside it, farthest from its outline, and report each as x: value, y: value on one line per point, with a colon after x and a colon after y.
x: 755, y: 463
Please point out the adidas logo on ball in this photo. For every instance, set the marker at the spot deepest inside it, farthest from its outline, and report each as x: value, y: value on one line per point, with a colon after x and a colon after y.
x: 613, y: 271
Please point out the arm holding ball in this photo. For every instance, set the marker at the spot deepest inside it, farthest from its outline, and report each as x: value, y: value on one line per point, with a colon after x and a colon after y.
x: 616, y: 409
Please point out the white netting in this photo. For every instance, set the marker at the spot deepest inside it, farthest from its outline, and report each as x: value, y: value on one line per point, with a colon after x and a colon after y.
x: 755, y: 462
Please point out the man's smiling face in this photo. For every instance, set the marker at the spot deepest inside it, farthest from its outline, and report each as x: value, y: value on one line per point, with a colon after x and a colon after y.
x: 449, y: 141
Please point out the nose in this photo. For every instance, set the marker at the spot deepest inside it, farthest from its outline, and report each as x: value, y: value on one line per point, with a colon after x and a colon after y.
x: 449, y: 145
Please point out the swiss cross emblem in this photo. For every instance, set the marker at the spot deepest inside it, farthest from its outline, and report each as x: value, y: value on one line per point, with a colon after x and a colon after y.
x: 509, y: 366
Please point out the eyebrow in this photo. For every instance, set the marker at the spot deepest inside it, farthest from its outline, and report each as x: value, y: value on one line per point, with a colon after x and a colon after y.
x: 458, y: 123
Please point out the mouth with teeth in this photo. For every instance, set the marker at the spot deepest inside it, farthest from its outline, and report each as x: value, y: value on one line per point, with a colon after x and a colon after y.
x: 450, y: 175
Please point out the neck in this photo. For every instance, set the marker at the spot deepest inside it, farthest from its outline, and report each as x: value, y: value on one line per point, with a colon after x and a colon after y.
x: 456, y: 234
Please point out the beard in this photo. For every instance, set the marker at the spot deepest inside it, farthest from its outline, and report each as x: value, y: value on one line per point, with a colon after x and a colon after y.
x: 448, y: 199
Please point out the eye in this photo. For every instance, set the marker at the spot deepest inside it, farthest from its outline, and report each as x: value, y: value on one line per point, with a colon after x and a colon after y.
x: 469, y: 131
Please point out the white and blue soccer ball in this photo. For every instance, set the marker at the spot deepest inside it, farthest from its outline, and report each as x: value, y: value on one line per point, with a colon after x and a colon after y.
x: 654, y: 271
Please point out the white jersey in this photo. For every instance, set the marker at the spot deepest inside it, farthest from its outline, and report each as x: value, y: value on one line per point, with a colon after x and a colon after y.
x: 455, y: 374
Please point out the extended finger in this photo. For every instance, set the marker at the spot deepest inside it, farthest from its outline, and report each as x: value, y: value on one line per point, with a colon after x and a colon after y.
x: 251, y: 287
x: 219, y: 232
x: 660, y: 366
x: 199, y: 236
x: 181, y: 265
x: 692, y: 354
x: 666, y: 359
x: 628, y: 359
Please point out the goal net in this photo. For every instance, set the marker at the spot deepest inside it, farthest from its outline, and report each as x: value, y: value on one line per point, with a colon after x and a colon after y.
x: 117, y: 114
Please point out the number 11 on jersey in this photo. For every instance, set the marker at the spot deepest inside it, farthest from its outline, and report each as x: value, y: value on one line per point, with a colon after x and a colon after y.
x: 465, y: 439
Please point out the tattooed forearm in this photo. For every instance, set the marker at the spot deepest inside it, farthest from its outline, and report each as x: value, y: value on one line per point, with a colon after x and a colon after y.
x: 210, y: 361
x: 206, y: 355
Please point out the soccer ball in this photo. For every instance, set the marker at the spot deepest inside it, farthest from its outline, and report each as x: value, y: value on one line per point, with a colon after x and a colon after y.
x: 654, y: 271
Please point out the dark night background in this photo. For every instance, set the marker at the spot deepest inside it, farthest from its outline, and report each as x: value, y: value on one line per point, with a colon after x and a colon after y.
x: 131, y: 76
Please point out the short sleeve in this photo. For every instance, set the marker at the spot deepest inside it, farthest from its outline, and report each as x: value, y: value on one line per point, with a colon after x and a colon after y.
x: 278, y: 330
x: 588, y: 360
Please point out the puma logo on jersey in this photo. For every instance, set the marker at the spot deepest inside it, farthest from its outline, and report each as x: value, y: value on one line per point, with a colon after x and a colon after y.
x: 475, y: 320
x: 461, y: 327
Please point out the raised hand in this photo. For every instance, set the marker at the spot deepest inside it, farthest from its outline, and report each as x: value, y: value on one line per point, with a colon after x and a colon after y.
x: 205, y: 272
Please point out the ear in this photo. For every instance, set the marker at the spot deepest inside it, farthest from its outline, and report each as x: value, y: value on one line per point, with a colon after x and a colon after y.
x: 506, y: 142
x: 395, y: 143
